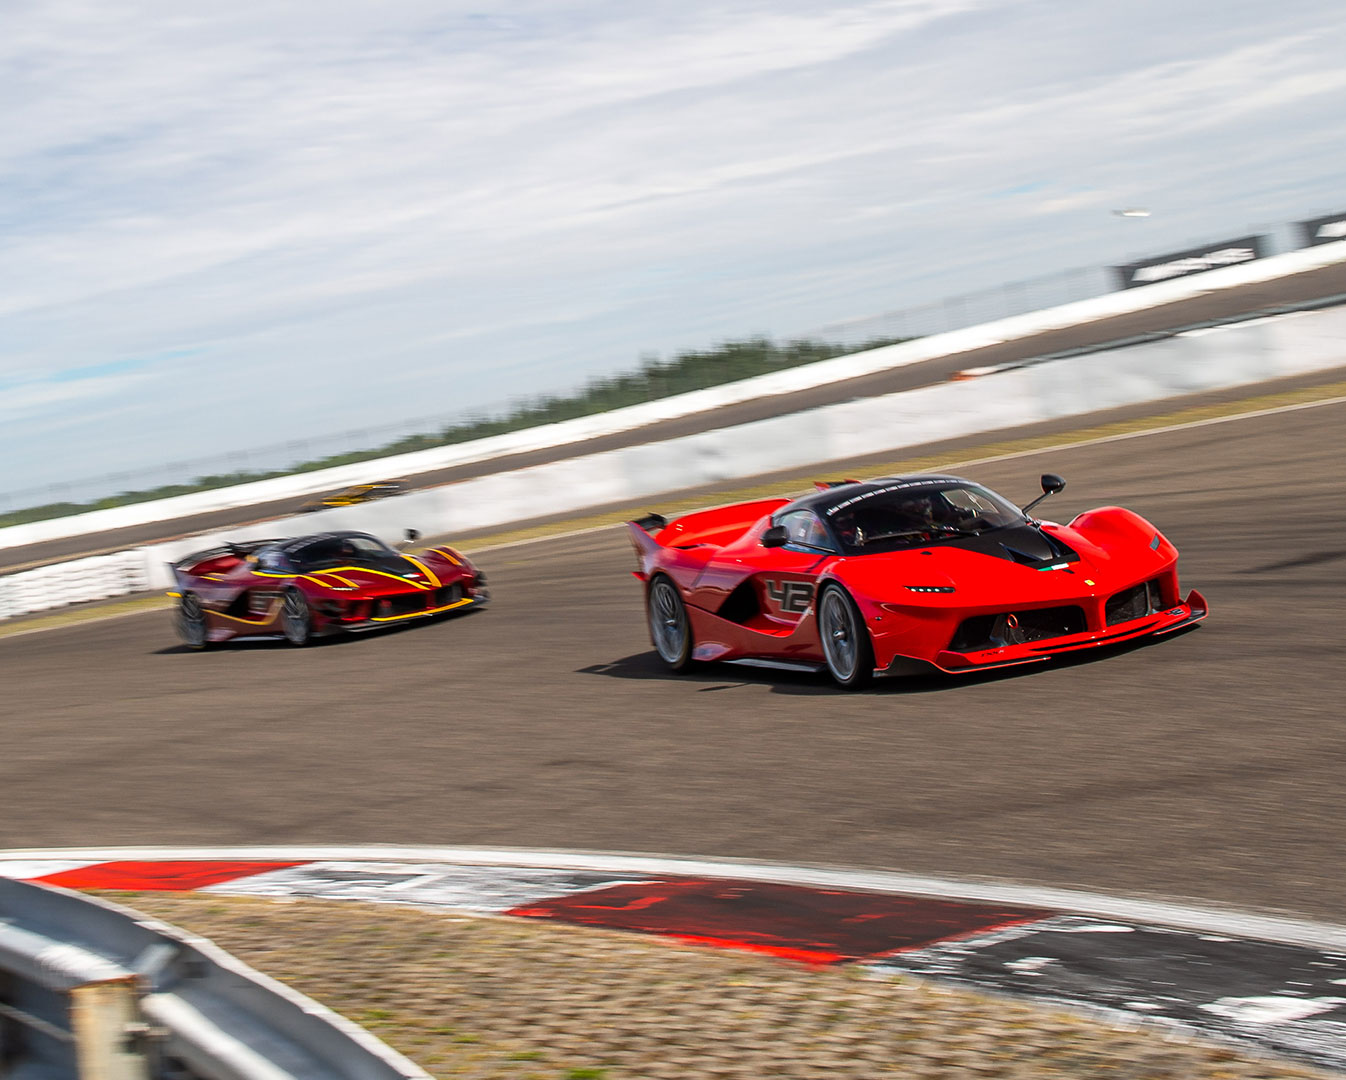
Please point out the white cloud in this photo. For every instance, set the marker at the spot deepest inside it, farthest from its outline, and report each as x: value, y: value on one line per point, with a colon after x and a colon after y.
x: 17, y: 402
x: 321, y: 188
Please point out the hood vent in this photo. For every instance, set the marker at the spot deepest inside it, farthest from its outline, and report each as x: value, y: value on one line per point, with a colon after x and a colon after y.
x: 1023, y: 545
x: 1024, y: 559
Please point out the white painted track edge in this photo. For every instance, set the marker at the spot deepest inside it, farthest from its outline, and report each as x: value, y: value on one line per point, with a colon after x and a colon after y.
x: 1210, y: 920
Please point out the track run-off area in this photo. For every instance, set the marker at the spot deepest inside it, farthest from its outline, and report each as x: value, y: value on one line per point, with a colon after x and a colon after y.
x: 1205, y: 767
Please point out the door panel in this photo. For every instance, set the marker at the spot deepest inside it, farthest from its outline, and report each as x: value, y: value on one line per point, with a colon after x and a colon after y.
x: 786, y: 579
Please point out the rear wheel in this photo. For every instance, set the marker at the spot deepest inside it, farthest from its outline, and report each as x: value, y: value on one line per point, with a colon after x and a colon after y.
x: 191, y: 621
x: 670, y: 628
x: 295, y: 620
x: 846, y: 644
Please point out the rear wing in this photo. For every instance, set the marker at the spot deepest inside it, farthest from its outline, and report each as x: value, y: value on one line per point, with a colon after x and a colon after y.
x: 238, y: 550
x: 717, y: 526
x: 216, y: 559
x: 650, y: 523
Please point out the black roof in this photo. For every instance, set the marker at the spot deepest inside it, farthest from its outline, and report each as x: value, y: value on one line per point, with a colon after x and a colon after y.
x: 338, y: 534
x: 828, y: 501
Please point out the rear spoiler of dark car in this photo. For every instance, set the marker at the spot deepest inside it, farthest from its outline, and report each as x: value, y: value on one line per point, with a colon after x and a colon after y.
x: 241, y: 549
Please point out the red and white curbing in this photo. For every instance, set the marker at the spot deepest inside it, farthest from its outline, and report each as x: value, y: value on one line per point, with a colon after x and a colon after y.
x: 1277, y: 983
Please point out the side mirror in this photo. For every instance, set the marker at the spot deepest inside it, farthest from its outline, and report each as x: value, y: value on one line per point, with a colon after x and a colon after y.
x: 1051, y: 484
x: 776, y: 536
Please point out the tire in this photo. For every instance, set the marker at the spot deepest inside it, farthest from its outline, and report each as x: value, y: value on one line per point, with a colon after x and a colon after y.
x: 846, y: 643
x: 191, y: 623
x: 670, y: 627
x: 296, y: 621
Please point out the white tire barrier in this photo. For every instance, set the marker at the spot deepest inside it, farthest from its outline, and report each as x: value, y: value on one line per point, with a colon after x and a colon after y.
x: 98, y: 577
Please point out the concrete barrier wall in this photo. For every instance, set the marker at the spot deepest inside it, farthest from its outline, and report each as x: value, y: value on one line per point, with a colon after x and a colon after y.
x: 1201, y: 360
x: 636, y: 416
x: 99, y: 577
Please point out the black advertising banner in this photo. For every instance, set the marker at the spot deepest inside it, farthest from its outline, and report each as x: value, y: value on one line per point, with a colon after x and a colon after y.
x: 1193, y: 261
x: 1323, y: 230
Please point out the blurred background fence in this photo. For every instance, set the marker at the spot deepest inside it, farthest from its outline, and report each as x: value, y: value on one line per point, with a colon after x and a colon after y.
x: 971, y: 309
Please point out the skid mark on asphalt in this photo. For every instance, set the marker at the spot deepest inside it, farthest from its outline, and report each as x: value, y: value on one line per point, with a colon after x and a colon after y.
x: 1314, y: 559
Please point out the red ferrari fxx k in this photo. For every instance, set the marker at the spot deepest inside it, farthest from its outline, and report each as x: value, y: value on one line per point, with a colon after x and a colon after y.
x: 903, y: 575
x: 310, y: 586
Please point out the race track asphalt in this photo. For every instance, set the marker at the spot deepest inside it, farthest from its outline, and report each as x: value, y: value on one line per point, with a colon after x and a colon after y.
x: 1207, y: 766
x: 1244, y: 301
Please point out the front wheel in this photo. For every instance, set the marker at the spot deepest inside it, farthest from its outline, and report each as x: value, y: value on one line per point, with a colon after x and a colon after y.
x: 670, y: 628
x: 846, y: 644
x: 295, y: 621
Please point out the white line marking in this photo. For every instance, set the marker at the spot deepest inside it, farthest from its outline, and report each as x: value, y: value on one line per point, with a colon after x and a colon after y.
x: 24, y: 869
x: 1243, y: 924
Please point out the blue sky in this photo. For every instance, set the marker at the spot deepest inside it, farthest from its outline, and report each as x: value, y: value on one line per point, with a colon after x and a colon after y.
x: 228, y: 226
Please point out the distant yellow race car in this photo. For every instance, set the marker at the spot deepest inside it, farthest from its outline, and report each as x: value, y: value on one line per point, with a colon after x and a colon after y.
x: 379, y: 489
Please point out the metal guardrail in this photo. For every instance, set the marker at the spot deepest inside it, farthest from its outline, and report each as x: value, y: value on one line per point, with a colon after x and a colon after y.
x: 93, y: 991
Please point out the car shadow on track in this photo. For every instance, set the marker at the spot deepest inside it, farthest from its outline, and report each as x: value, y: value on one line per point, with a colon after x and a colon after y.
x: 707, y: 678
x: 254, y: 645
x: 268, y: 644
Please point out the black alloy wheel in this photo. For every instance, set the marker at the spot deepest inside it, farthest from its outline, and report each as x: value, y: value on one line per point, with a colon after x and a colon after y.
x: 670, y: 628
x: 846, y: 643
x: 191, y: 621
x: 295, y: 620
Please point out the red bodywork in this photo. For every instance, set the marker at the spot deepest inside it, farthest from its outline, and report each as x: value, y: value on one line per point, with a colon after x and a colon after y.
x: 747, y: 601
x: 242, y: 598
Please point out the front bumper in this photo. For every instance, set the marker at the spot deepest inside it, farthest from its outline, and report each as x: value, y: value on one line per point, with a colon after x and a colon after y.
x: 1190, y: 611
x: 389, y: 610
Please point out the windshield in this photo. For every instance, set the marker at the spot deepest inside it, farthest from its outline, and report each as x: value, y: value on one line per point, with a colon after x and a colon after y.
x: 915, y: 514
x: 328, y: 551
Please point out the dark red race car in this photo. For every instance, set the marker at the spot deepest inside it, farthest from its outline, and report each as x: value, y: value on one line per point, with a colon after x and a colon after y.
x: 903, y: 575
x: 310, y: 586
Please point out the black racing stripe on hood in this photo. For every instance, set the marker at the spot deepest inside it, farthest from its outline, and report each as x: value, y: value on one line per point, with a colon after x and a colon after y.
x: 1025, y: 545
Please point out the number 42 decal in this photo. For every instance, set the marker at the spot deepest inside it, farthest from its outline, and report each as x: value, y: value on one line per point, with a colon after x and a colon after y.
x: 792, y: 597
